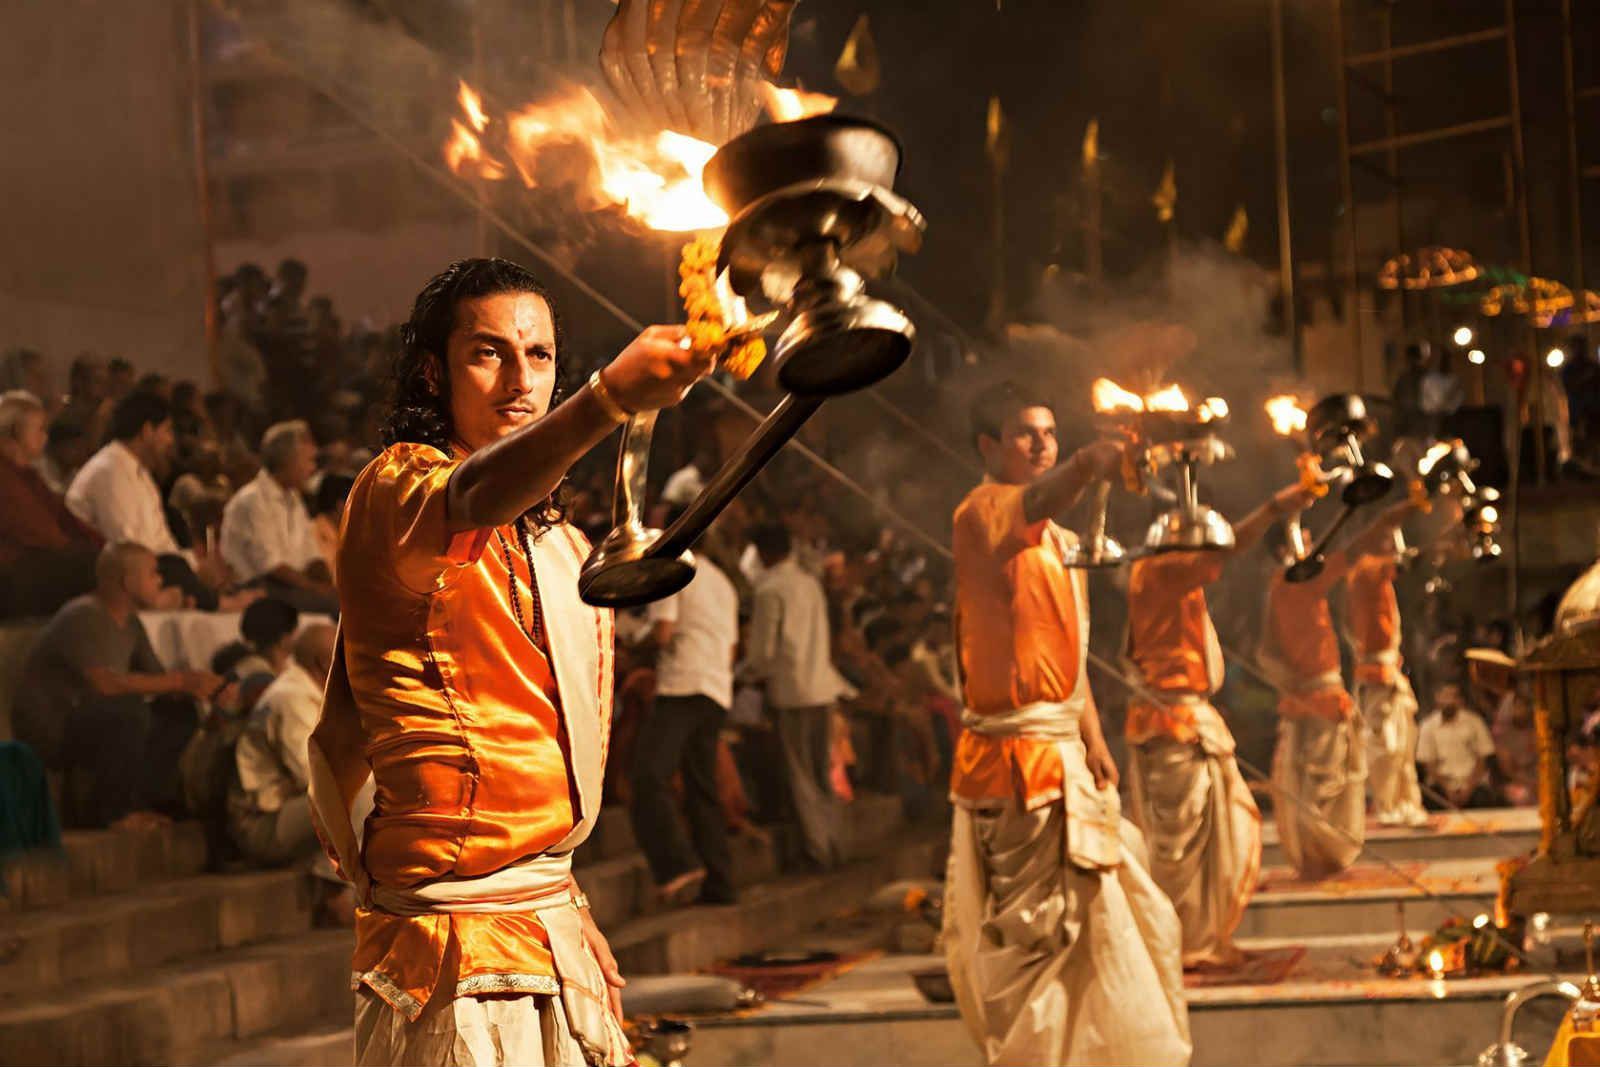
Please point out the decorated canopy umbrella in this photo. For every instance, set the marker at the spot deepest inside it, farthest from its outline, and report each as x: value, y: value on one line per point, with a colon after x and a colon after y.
x: 1430, y: 267
x: 1540, y: 299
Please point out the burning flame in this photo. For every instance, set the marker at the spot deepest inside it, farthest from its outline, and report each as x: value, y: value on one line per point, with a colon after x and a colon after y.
x: 1170, y: 398
x: 792, y: 105
x: 1110, y: 397
x: 655, y: 179
x: 472, y: 105
x: 1436, y: 963
x: 1286, y: 414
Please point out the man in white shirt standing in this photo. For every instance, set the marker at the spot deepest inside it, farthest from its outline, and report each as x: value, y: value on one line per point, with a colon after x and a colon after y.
x: 790, y: 649
x: 696, y: 632
x: 267, y: 536
x: 1454, y: 746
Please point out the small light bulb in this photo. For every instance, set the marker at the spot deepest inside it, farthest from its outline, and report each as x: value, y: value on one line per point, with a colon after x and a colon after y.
x: 1490, y: 513
x: 1480, y: 922
x: 1476, y: 357
x: 1463, y: 336
x: 1554, y: 358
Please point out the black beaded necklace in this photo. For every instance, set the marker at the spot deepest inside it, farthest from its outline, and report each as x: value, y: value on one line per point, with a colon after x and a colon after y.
x: 536, y: 632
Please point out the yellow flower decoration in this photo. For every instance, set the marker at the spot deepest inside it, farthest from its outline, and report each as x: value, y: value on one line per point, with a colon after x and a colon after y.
x: 708, y: 326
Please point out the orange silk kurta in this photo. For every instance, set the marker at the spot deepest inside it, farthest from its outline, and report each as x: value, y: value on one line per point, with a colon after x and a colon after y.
x: 1017, y: 624
x: 1170, y: 640
x: 461, y: 721
x: 1374, y: 618
x: 1303, y: 647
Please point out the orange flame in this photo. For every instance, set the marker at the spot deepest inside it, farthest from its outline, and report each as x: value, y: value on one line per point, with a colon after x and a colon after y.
x: 464, y: 155
x: 1168, y: 398
x: 792, y: 105
x: 472, y: 105
x: 1286, y: 414
x: 655, y: 179
x: 1109, y: 397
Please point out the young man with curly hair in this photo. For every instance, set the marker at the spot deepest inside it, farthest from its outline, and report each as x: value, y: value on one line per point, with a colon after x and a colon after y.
x: 475, y: 687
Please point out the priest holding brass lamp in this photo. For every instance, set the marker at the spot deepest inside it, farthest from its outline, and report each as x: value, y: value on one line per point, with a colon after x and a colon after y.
x: 473, y: 676
x: 1201, y: 825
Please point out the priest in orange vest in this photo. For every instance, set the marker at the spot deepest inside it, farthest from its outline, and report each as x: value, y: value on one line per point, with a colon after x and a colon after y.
x: 1197, y: 814
x: 474, y: 687
x: 1383, y: 693
x: 1061, y: 948
x: 1319, y: 767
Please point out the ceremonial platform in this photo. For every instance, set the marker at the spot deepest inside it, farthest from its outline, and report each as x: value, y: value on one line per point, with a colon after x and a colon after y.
x: 124, y: 952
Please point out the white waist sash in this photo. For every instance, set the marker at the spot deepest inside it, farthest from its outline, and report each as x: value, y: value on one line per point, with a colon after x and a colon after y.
x: 1043, y: 720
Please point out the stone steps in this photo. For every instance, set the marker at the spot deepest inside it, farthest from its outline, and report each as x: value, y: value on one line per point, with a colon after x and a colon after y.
x: 1487, y: 834
x: 176, y: 1012
x: 768, y: 914
x: 134, y: 932
x: 328, y: 1045
x: 873, y: 1015
x: 101, y: 862
x: 1461, y: 888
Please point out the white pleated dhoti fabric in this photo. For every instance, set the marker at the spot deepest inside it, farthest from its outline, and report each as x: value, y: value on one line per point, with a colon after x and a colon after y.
x: 1319, y: 795
x: 1390, y: 713
x: 495, y: 1021
x: 1061, y: 948
x: 1203, y: 831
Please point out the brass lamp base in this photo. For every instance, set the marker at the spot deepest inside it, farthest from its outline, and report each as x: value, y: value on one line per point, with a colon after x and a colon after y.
x: 1197, y: 529
x: 1102, y: 555
x: 621, y: 573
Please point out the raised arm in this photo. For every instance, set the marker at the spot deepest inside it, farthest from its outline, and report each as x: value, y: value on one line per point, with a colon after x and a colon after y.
x: 1057, y: 490
x: 1287, y: 501
x: 499, y: 482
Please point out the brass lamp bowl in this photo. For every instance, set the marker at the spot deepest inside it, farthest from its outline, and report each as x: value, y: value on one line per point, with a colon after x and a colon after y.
x: 1337, y: 427
x: 1185, y: 442
x: 814, y: 217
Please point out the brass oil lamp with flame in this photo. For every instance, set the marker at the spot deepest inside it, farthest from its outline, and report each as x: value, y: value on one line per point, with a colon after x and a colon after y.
x: 1337, y: 429
x: 1184, y: 438
x: 1163, y: 430
x: 1446, y: 470
x: 813, y: 217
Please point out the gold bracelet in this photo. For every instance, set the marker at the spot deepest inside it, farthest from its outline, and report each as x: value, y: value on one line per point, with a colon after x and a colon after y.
x: 580, y: 901
x: 608, y: 402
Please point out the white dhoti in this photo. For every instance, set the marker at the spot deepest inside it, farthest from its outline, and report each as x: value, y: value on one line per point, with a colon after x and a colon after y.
x: 1203, y: 830
x: 1319, y: 801
x: 1061, y: 949
x: 502, y: 1020
x: 1390, y: 713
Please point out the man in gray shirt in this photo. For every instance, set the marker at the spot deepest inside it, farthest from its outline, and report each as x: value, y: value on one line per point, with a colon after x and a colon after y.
x: 88, y: 681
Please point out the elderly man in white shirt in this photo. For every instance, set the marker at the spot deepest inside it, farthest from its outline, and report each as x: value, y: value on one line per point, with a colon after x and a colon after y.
x: 696, y: 632
x: 790, y: 649
x: 267, y: 535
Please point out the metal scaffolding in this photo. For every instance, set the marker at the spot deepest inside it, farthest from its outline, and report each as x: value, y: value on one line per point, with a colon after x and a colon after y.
x: 1380, y: 155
